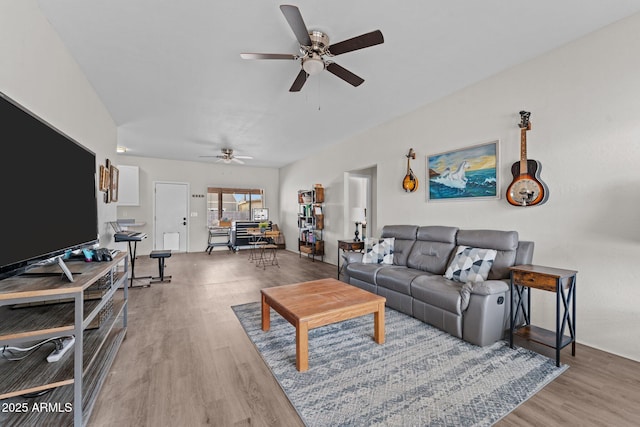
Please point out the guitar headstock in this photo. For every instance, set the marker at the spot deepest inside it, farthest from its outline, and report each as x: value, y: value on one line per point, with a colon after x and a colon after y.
x: 412, y: 154
x: 525, y: 123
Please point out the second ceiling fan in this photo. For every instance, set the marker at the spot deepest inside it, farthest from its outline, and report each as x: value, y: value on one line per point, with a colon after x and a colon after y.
x: 227, y: 156
x: 315, y: 48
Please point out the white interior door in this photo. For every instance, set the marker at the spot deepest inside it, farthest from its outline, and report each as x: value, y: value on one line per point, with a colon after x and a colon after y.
x: 171, y: 224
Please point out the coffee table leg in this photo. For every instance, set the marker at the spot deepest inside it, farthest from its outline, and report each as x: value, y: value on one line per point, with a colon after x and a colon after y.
x: 266, y: 314
x: 302, y: 346
x: 378, y: 324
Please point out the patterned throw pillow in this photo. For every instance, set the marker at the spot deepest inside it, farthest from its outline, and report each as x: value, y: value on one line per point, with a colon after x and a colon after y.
x: 378, y: 251
x: 470, y: 264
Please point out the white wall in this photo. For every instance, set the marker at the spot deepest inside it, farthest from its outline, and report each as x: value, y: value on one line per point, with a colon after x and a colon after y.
x: 586, y: 133
x: 199, y: 175
x: 584, y: 99
x: 37, y: 71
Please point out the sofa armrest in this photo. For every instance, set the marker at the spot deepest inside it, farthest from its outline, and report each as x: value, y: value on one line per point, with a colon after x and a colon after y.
x: 489, y: 287
x: 351, y: 257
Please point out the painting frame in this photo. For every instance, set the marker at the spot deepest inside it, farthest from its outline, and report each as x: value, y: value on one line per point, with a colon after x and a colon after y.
x: 468, y: 173
x: 104, y: 182
x: 115, y: 182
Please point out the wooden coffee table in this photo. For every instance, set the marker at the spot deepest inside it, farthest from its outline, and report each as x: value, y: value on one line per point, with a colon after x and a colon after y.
x: 318, y: 303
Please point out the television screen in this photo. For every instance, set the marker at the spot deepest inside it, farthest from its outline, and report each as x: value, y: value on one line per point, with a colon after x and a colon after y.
x: 47, y: 188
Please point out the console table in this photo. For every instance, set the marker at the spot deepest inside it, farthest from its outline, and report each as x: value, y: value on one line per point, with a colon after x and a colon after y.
x: 92, y: 309
x: 348, y: 246
x: 563, y: 283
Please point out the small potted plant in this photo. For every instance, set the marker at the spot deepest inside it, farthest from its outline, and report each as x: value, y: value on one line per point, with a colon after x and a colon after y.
x: 263, y: 226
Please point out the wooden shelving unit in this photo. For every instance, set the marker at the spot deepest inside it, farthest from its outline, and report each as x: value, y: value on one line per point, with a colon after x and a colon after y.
x: 72, y: 383
x: 311, y: 222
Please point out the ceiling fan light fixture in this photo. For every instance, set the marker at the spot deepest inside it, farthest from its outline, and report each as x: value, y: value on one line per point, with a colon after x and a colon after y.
x: 313, y: 65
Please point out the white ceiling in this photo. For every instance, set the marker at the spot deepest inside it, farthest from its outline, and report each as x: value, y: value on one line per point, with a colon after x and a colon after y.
x: 170, y: 72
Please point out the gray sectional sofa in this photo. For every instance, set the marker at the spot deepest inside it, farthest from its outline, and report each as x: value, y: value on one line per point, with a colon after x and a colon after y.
x: 477, y: 312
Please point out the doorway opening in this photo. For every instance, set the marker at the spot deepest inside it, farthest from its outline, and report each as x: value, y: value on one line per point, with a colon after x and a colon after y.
x: 360, y: 202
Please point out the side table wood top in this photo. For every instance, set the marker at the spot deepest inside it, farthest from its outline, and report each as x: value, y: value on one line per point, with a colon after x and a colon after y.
x: 548, y: 271
x: 350, y: 245
x: 541, y: 277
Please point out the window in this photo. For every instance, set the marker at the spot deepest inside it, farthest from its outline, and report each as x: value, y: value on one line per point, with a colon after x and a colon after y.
x: 232, y: 204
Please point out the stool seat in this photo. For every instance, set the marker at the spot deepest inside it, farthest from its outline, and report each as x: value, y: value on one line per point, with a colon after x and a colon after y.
x: 160, y: 254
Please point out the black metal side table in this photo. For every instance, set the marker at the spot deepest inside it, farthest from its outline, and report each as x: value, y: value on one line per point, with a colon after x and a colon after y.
x: 563, y: 283
x: 348, y: 246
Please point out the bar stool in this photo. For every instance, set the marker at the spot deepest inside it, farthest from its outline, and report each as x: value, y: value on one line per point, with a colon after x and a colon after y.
x: 269, y: 250
x: 256, y: 243
x: 161, y: 255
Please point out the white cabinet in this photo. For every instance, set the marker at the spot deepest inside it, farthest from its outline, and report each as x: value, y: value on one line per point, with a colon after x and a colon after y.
x: 129, y: 186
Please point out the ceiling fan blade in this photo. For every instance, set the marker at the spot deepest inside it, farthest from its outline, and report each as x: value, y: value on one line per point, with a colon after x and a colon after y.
x: 243, y: 157
x: 294, y: 18
x: 268, y: 56
x: 344, y: 74
x: 360, y: 42
x: 299, y: 82
x: 235, y: 159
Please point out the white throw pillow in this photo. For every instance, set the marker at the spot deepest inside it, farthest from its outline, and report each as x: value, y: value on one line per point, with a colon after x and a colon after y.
x: 378, y: 251
x: 470, y: 264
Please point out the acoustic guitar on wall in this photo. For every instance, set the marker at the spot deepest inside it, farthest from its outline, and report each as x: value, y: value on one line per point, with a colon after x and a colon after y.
x: 410, y: 182
x: 526, y: 189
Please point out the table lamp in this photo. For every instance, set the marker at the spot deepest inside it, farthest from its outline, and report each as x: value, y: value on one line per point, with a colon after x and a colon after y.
x: 358, y: 216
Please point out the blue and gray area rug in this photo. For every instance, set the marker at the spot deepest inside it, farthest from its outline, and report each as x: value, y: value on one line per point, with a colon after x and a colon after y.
x: 421, y: 376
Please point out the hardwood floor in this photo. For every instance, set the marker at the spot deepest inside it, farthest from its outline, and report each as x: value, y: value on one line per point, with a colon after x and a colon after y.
x: 186, y: 360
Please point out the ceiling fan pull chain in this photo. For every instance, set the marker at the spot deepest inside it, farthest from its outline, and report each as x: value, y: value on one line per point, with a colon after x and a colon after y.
x: 319, y: 92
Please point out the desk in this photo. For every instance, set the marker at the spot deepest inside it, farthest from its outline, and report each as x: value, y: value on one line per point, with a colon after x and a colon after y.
x: 563, y: 283
x: 130, y: 223
x: 348, y: 246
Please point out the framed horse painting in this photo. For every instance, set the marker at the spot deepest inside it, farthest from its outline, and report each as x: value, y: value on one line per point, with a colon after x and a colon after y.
x: 466, y: 173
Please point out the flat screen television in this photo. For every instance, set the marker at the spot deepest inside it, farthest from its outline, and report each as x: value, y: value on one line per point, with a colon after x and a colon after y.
x: 47, y: 191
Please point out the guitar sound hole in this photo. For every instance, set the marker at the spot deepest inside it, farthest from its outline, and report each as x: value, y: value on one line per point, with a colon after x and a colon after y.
x: 525, y: 191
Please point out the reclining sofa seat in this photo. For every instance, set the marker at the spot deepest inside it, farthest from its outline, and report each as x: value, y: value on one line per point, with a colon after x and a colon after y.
x: 415, y: 285
x: 426, y: 256
x: 364, y: 275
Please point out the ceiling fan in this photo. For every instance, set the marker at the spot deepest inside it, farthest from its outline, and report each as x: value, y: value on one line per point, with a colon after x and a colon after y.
x: 227, y: 157
x: 315, y: 49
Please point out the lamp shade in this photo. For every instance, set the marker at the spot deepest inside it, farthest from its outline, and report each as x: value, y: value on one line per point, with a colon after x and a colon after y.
x: 313, y: 65
x: 357, y: 215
